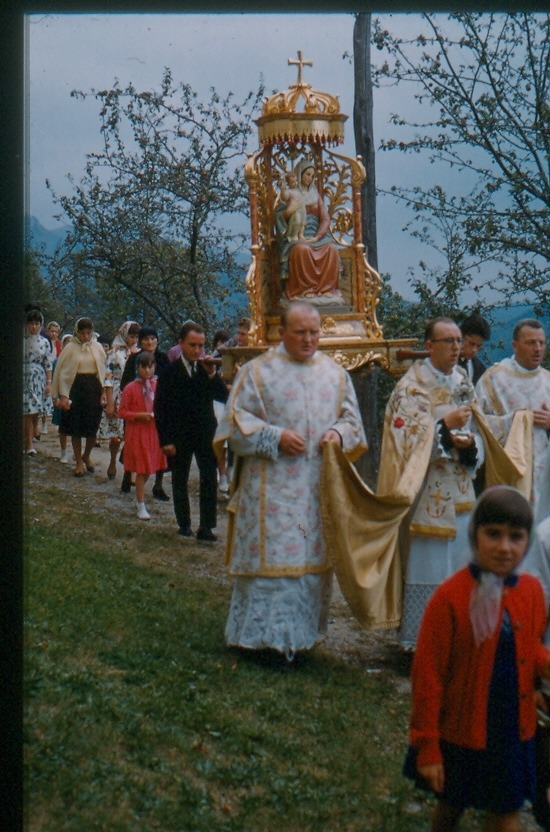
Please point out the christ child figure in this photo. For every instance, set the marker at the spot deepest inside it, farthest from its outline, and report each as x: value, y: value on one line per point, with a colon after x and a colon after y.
x: 294, y: 200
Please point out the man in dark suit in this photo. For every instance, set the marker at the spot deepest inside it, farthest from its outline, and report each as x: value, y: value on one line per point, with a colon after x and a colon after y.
x: 475, y: 331
x: 184, y: 414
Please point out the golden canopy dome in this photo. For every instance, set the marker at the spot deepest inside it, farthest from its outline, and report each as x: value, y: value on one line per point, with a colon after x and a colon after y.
x: 301, y: 114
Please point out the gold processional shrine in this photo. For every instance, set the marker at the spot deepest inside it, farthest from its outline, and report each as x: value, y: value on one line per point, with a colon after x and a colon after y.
x: 299, y: 129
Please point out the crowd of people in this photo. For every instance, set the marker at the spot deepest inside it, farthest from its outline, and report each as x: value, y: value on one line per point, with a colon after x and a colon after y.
x: 474, y: 439
x: 79, y: 384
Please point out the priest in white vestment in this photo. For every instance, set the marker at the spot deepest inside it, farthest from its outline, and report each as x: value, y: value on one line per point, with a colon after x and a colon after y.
x: 520, y: 383
x: 284, y: 407
x: 434, y: 390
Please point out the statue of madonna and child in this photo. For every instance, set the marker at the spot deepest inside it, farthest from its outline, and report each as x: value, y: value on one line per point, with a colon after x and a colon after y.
x: 309, y: 259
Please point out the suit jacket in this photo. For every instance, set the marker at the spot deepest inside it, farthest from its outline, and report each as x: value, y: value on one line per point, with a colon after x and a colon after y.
x: 184, y: 406
x: 478, y: 368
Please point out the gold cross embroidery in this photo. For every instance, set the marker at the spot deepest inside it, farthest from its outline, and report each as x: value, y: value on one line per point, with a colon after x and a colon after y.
x: 437, y: 497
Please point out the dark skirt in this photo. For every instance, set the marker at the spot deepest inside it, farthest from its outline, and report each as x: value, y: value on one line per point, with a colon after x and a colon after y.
x: 56, y: 416
x: 501, y: 777
x: 84, y: 415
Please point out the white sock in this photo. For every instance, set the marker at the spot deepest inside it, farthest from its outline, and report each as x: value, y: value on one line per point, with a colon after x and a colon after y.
x: 142, y: 511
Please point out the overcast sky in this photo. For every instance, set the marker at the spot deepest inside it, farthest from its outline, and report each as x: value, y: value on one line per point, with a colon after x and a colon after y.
x: 228, y: 52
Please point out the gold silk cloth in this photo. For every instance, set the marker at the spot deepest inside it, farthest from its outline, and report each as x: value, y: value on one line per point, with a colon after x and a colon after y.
x: 364, y: 531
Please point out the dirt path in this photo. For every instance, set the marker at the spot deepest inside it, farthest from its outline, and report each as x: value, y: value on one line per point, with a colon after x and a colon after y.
x: 345, y: 638
x: 373, y: 651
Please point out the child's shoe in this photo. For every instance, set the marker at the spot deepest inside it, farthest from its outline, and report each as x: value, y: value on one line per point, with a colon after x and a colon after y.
x: 142, y: 512
x: 64, y: 458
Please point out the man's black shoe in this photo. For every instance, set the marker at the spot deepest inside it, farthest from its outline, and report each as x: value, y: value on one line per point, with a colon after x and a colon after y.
x: 207, y: 534
x: 160, y: 494
x: 187, y: 531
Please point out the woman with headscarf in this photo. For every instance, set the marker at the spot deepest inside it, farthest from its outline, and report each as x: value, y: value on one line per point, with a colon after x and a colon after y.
x: 37, y: 376
x: 309, y: 265
x: 78, y: 389
x: 111, y: 427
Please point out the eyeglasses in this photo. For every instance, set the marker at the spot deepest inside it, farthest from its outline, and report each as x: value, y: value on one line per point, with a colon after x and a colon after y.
x: 450, y: 341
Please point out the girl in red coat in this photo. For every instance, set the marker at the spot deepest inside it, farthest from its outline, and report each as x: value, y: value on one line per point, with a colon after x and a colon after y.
x: 478, y: 657
x: 142, y: 452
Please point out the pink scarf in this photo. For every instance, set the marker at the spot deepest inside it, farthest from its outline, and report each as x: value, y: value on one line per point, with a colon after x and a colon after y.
x: 148, y: 394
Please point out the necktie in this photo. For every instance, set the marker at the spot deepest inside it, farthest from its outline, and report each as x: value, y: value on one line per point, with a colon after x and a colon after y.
x: 193, y: 370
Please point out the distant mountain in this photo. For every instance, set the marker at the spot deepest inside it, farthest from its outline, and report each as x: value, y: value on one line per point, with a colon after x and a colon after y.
x: 44, y: 238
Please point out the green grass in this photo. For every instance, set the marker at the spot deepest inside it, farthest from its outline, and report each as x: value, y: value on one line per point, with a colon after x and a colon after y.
x: 138, y: 717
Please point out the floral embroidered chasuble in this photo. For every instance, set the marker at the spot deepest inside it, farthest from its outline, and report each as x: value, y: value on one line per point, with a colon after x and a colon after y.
x: 420, y: 399
x: 275, y: 528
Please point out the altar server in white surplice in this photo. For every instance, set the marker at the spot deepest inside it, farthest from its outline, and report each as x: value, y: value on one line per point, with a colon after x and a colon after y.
x: 284, y: 407
x: 537, y: 561
x: 520, y: 383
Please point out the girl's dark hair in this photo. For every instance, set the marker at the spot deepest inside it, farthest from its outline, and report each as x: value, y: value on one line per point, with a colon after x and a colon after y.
x: 500, y: 504
x: 145, y: 331
x: 220, y: 337
x: 34, y: 315
x: 84, y: 323
x: 145, y: 359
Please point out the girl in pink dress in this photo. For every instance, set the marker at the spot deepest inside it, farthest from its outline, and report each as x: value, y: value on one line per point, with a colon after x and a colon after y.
x: 142, y: 452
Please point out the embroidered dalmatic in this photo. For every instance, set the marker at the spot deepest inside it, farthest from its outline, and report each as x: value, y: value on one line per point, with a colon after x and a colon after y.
x: 275, y: 534
x: 506, y: 388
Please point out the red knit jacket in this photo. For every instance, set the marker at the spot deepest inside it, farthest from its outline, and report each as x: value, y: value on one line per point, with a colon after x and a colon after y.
x: 451, y: 676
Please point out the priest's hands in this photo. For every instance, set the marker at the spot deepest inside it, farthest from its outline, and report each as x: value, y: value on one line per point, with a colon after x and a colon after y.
x: 292, y: 443
x: 462, y: 440
x: 330, y: 435
x: 541, y: 418
x: 457, y: 419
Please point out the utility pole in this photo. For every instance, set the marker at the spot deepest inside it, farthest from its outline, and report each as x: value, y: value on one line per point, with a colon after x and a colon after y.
x: 364, y: 131
x: 366, y: 383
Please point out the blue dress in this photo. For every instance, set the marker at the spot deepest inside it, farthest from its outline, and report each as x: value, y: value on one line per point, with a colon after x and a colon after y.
x: 501, y: 777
